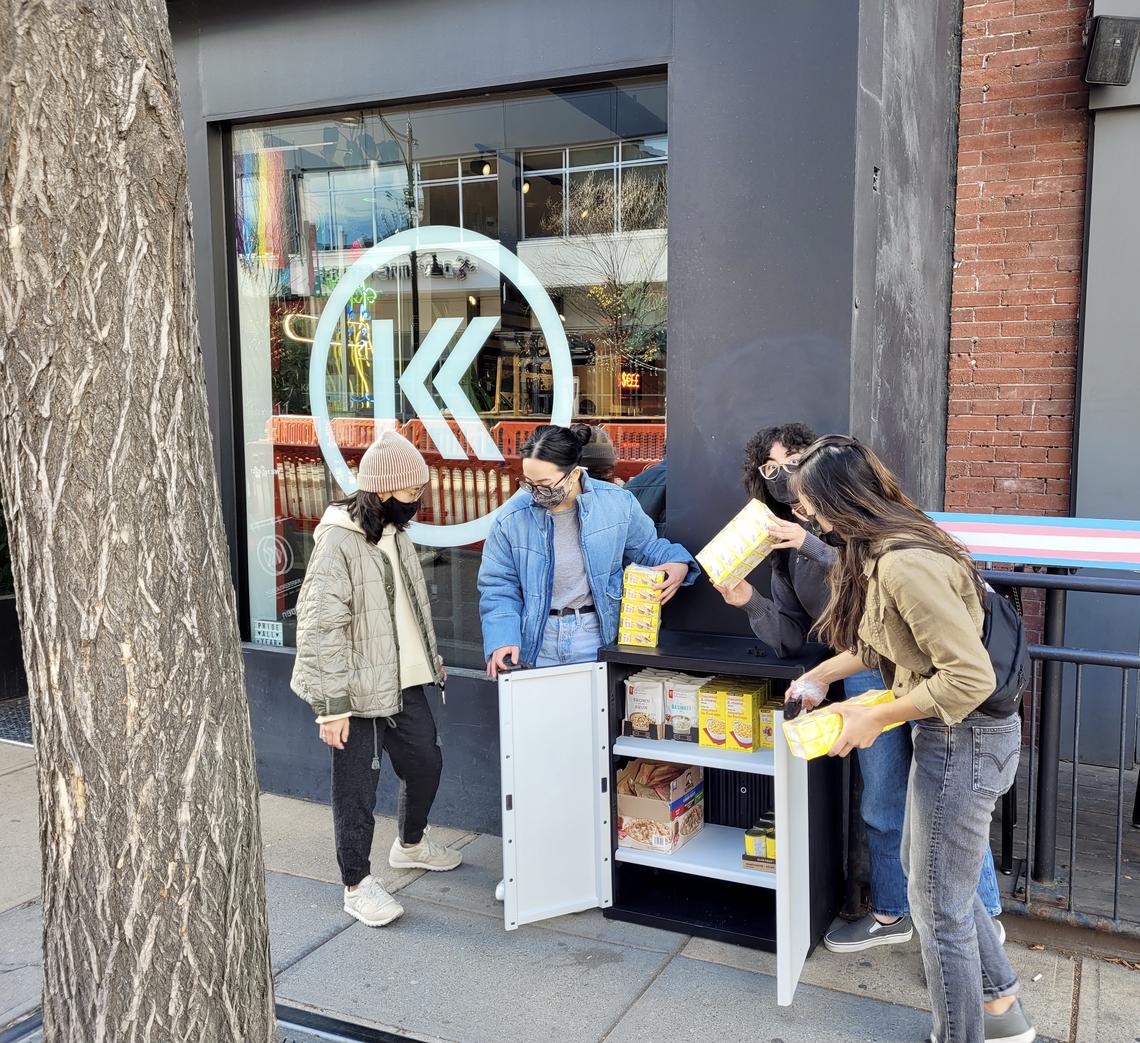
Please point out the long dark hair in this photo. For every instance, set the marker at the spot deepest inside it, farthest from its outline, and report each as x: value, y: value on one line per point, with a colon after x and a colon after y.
x: 367, y: 510
x: 794, y: 438
x: 561, y: 446
x: 847, y: 485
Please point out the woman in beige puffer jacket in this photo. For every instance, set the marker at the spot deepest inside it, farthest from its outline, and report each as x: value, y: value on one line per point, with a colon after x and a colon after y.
x: 366, y: 648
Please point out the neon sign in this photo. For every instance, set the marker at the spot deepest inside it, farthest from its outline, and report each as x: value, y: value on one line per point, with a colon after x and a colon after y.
x: 630, y: 381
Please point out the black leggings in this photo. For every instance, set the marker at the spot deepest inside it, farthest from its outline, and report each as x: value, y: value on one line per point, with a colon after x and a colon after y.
x: 412, y: 744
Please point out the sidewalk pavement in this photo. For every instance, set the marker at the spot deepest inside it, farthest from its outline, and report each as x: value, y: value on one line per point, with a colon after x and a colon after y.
x: 448, y: 971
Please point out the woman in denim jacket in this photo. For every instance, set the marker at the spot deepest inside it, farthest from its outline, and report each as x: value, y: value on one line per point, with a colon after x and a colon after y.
x: 551, y: 578
x: 907, y: 598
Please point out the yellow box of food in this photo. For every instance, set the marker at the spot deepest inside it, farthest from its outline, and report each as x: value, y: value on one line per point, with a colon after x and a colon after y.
x: 711, y: 721
x: 639, y: 622
x: 742, y: 720
x: 740, y: 546
x: 639, y: 581
x: 812, y: 734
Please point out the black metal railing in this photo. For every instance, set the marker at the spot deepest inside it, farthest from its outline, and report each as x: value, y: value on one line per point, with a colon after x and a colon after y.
x: 1040, y: 890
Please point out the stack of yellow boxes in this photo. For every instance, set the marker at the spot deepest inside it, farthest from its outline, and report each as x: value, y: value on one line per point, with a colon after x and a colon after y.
x: 736, y: 713
x: 813, y: 734
x: 740, y: 546
x: 640, y: 620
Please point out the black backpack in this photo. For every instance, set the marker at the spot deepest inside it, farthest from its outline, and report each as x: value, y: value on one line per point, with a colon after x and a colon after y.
x: 1003, y: 634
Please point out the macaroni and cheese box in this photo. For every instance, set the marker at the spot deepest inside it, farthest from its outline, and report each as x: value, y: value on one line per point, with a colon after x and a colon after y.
x: 639, y: 622
x: 740, y: 546
x: 712, y: 720
x: 745, y: 729
x: 813, y: 734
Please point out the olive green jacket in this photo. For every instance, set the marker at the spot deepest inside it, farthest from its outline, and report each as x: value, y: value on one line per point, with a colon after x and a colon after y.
x: 923, y: 617
x: 348, y: 654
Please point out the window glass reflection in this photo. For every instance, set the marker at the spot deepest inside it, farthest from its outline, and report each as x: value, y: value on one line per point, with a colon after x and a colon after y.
x: 574, y: 182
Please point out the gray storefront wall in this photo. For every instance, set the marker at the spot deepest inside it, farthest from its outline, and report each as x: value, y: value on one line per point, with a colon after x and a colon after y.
x: 810, y: 198
x: 1106, y: 466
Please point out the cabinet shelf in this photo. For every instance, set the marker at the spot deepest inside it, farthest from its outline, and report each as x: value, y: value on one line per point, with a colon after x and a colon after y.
x: 762, y: 762
x: 714, y: 852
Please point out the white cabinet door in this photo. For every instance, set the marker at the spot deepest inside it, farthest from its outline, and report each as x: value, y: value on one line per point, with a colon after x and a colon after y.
x: 555, y: 748
x: 793, y: 890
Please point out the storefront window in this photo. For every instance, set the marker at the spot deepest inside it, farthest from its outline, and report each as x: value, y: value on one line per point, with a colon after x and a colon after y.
x: 573, y: 182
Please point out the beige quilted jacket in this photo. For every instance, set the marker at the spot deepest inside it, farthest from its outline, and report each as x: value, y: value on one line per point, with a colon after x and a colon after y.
x: 348, y: 656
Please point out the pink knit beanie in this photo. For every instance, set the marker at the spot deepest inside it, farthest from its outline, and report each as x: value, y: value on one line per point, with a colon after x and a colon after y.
x: 390, y: 464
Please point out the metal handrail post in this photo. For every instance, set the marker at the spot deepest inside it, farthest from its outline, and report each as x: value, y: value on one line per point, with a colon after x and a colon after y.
x: 1045, y: 847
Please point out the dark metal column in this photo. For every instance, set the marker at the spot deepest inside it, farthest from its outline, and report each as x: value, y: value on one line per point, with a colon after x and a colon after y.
x: 1045, y: 846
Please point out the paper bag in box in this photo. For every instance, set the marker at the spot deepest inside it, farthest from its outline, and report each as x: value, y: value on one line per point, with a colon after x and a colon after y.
x: 663, y: 825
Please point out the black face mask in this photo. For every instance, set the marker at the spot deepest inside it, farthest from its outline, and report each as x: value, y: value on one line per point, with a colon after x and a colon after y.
x: 780, y: 488
x: 399, y: 514
x: 833, y: 539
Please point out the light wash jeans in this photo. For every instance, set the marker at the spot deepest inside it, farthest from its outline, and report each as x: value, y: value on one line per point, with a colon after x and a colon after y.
x: 885, y: 767
x: 570, y: 639
x: 956, y: 777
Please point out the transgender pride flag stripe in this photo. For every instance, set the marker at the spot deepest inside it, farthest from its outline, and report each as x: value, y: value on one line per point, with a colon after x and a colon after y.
x: 1065, y: 542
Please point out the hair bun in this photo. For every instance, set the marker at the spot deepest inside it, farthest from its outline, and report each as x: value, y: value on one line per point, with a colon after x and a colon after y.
x: 583, y: 433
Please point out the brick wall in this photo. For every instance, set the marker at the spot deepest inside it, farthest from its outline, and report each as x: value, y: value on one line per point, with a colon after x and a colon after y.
x: 1022, y: 154
x: 1022, y: 159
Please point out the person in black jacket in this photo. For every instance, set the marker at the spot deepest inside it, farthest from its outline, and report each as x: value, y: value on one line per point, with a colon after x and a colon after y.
x: 801, y: 560
x: 649, y: 490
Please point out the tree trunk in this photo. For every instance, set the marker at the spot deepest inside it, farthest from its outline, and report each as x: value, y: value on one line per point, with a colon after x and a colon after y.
x: 153, y: 885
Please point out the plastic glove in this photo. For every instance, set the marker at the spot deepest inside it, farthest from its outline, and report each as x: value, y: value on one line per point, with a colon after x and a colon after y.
x: 804, y: 694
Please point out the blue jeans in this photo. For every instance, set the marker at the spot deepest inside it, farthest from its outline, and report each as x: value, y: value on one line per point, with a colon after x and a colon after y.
x: 956, y: 777
x: 885, y: 767
x: 570, y: 639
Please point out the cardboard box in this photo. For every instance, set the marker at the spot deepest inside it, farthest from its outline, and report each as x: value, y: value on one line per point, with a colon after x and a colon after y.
x: 663, y: 824
x: 813, y: 734
x: 639, y: 622
x: 644, y: 707
x: 740, y: 546
x: 742, y: 721
x: 748, y: 724
x: 711, y: 717
x: 682, y: 709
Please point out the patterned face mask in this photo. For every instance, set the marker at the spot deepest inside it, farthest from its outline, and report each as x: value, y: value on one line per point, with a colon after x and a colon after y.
x: 548, y: 496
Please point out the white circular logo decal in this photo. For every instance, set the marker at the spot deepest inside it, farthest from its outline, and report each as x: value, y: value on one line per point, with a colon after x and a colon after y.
x: 414, y: 379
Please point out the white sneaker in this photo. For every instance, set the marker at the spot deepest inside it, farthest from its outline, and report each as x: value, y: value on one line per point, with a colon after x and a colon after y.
x: 371, y: 904
x: 501, y: 891
x: 425, y: 855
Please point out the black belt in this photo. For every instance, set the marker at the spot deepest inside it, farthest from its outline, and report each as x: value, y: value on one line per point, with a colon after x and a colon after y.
x: 572, y: 611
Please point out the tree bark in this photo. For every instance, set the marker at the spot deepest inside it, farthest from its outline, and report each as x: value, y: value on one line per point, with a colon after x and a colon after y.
x: 153, y: 883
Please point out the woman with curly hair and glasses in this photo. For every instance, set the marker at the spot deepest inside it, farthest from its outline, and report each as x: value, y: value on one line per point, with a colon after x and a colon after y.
x: 907, y: 598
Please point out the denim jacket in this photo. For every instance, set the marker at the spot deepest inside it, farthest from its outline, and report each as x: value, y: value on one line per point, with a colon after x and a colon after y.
x: 517, y: 573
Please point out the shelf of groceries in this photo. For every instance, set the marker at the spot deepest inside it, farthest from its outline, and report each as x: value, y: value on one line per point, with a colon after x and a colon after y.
x: 674, y: 726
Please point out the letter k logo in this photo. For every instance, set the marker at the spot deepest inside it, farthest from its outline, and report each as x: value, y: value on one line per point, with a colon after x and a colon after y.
x: 414, y: 383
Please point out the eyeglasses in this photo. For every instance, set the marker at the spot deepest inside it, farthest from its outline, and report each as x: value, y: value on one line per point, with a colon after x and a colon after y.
x: 530, y: 487
x: 771, y: 470
x: 417, y: 493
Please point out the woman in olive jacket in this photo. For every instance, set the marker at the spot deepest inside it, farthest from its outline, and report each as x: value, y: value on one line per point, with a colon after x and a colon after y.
x: 907, y: 598
x: 366, y: 648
